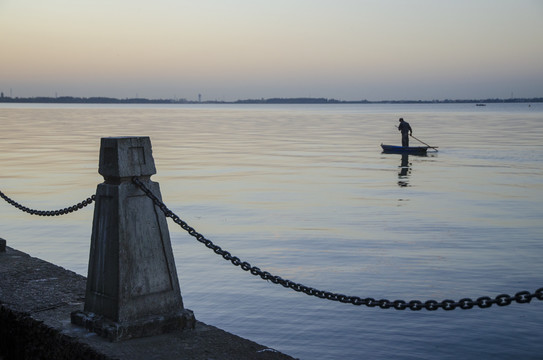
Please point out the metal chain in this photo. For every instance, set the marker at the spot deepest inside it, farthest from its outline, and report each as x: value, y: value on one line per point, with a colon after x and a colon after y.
x: 64, y: 211
x: 483, y: 302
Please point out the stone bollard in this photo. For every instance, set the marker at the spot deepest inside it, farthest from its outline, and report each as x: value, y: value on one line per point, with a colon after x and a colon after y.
x: 2, y: 245
x: 132, y: 285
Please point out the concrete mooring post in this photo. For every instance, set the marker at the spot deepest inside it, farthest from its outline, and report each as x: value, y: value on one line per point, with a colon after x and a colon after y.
x: 132, y: 285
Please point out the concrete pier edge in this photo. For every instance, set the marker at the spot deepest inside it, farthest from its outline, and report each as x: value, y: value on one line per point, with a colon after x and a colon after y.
x: 37, y: 298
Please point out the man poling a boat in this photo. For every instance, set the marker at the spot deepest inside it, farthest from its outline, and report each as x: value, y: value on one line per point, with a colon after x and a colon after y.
x: 406, y: 130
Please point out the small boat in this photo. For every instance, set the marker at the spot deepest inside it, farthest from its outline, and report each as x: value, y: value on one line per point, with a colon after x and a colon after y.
x: 404, y: 150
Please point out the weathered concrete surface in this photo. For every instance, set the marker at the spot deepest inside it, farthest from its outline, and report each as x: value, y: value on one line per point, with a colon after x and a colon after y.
x: 132, y: 288
x: 37, y: 297
x: 124, y: 157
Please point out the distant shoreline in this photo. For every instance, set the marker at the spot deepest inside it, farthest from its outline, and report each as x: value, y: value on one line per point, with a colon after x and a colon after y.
x: 107, y: 100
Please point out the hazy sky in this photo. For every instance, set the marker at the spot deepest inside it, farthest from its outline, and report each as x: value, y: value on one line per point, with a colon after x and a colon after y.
x: 239, y: 49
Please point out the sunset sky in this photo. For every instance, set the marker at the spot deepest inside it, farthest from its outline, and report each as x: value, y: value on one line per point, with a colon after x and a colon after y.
x: 240, y: 49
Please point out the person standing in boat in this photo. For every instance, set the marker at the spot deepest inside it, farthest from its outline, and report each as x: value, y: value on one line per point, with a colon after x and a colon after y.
x: 406, y: 130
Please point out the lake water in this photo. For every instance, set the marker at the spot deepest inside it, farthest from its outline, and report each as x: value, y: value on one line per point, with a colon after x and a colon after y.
x: 304, y: 192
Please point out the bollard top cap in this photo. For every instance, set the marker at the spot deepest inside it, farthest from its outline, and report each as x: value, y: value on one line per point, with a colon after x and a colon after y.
x: 122, y: 157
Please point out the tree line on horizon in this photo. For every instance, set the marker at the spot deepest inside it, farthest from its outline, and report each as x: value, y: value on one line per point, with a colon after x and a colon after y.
x: 296, y: 100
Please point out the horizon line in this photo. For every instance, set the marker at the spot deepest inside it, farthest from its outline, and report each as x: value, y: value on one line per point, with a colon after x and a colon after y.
x: 274, y: 100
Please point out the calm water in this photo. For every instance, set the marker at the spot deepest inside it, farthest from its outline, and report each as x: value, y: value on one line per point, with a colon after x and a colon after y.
x: 305, y: 193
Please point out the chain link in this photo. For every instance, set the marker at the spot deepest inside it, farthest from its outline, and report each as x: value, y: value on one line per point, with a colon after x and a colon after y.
x: 415, y: 305
x: 64, y: 211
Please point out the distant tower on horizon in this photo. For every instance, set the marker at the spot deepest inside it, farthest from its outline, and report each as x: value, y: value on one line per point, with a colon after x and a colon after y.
x: 199, y: 97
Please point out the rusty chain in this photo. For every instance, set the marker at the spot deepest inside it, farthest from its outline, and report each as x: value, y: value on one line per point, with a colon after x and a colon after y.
x: 483, y: 302
x: 64, y: 211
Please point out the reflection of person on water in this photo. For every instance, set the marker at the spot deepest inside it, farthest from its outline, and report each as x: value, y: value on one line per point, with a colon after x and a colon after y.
x: 405, y: 171
x: 406, y: 130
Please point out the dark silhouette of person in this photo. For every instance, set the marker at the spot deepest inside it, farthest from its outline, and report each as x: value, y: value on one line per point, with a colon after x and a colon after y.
x: 406, y: 130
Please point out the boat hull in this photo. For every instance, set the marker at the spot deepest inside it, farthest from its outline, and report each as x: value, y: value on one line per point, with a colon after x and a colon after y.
x: 404, y: 150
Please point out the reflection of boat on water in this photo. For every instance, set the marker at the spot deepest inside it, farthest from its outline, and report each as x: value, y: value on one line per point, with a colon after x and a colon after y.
x: 415, y: 150
x: 405, y: 167
x: 480, y: 104
x: 405, y: 151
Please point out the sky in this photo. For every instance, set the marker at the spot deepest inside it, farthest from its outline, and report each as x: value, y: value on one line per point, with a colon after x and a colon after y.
x: 250, y: 49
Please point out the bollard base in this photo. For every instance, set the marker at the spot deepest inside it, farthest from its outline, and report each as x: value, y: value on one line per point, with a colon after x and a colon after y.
x: 114, y: 331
